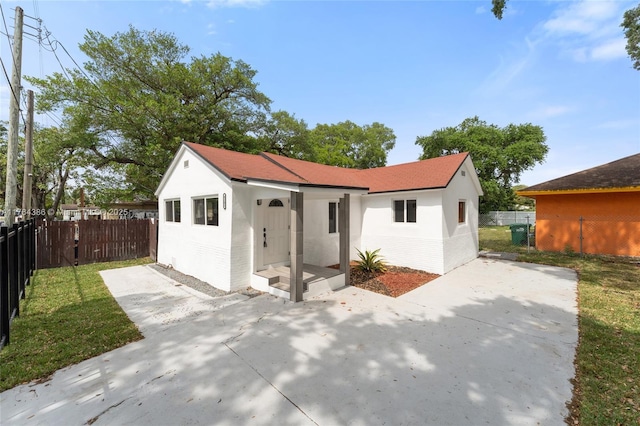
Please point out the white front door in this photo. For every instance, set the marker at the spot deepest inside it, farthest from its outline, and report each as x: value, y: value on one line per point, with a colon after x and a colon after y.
x: 275, y: 231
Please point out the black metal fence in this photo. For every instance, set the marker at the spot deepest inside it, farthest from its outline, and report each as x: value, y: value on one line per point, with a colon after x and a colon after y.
x: 17, y: 263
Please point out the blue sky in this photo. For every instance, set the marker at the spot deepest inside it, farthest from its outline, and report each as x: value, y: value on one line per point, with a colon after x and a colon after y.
x: 414, y: 66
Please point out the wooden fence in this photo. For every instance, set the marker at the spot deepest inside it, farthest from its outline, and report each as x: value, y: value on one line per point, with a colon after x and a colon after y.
x: 90, y: 241
x: 17, y: 263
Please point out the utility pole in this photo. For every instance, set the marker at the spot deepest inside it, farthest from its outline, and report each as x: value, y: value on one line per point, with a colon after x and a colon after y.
x: 28, y: 159
x: 14, y: 123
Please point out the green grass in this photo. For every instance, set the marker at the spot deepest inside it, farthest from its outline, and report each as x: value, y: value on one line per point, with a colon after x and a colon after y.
x: 607, y: 385
x: 67, y: 316
x: 498, y: 238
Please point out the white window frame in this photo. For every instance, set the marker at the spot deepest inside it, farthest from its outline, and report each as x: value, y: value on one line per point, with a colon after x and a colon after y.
x: 405, y: 210
x: 173, y: 202
x: 214, y: 220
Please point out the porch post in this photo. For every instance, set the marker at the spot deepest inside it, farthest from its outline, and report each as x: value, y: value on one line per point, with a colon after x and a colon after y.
x: 295, y: 275
x: 344, y: 229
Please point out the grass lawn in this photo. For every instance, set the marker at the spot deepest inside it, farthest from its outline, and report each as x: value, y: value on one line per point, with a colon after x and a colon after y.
x: 67, y: 316
x: 607, y: 385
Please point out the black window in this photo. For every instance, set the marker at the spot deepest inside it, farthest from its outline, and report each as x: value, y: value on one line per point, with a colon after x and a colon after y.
x: 333, y: 218
x: 198, y: 211
x: 405, y: 211
x: 212, y: 211
x: 398, y: 210
x: 411, y: 211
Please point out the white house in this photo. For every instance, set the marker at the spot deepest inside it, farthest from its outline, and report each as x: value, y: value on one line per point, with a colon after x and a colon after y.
x: 233, y: 219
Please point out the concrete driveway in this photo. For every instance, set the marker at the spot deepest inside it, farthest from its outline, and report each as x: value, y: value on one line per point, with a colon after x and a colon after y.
x: 492, y: 342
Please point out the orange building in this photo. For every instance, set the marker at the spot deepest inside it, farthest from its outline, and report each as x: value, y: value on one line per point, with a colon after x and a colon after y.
x: 594, y: 211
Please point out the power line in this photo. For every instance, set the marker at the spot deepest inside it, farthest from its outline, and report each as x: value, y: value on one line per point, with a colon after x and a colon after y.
x: 15, y: 96
x: 6, y: 28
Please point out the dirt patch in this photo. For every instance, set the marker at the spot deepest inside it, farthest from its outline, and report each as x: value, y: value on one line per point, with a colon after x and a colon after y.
x: 394, y: 282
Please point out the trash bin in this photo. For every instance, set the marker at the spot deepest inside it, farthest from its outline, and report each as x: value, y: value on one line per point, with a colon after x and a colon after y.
x: 518, y: 233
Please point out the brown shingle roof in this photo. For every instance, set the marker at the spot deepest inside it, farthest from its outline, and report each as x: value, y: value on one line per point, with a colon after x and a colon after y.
x: 241, y: 166
x: 623, y: 173
x: 425, y: 174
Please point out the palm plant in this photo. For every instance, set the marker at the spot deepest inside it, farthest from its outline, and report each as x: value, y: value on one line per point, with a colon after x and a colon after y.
x: 371, y: 261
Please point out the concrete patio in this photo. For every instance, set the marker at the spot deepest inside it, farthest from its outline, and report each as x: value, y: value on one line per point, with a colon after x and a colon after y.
x: 492, y: 342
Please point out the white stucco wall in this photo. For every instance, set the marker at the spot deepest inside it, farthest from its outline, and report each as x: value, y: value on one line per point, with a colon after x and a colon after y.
x: 198, y: 250
x: 460, y: 239
x: 320, y: 247
x: 416, y: 245
x: 242, y: 232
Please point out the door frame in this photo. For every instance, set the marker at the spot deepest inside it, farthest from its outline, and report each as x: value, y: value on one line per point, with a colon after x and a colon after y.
x: 261, y: 211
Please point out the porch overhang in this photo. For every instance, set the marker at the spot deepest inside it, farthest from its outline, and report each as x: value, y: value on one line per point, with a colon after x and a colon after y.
x: 311, y: 191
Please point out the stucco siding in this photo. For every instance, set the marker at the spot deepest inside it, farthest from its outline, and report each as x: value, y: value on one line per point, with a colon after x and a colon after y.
x: 241, y: 261
x: 416, y: 245
x: 460, y: 238
x: 611, y: 223
x: 198, y: 250
x: 320, y: 247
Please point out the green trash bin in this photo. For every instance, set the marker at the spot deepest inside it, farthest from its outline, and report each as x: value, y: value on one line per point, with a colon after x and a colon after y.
x: 518, y: 233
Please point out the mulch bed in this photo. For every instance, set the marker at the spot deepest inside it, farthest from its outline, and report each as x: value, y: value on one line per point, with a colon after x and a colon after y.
x: 394, y: 282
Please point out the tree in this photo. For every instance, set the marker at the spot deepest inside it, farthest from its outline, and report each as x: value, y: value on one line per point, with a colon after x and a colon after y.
x: 630, y: 23
x: 57, y: 160
x: 285, y: 135
x: 500, y: 155
x: 138, y: 98
x: 522, y: 203
x: 348, y: 145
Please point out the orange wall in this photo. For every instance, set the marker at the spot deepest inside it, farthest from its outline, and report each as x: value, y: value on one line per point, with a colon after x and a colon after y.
x: 611, y: 223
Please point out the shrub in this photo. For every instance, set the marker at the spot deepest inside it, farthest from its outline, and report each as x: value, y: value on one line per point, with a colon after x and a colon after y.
x: 371, y: 261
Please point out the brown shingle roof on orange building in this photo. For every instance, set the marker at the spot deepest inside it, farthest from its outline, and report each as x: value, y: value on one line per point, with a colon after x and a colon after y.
x: 426, y: 174
x: 622, y: 173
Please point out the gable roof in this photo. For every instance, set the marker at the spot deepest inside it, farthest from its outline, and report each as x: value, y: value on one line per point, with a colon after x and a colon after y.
x: 622, y: 174
x: 434, y: 173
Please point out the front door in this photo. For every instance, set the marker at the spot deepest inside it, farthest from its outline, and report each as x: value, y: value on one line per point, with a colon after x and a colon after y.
x: 275, y: 231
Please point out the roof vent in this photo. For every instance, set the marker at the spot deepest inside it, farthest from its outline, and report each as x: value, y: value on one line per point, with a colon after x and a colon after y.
x: 463, y: 173
x: 186, y: 164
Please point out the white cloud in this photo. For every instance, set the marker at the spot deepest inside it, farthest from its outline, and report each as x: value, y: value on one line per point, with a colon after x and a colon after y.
x: 549, y: 111
x: 618, y: 124
x: 211, y: 29
x: 480, y: 10
x: 509, y: 69
x: 587, y: 30
x: 235, y: 3
x: 611, y: 49
x: 583, y: 17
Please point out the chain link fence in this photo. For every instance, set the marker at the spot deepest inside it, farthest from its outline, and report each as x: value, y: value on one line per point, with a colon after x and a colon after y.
x: 505, y: 218
x: 589, y: 234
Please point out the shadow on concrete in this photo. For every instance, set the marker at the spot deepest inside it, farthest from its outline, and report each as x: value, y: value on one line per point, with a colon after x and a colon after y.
x: 352, y: 358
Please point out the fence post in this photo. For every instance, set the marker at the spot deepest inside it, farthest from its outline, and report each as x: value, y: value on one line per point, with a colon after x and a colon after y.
x: 581, y: 236
x: 5, y: 316
x: 14, y: 279
x: 528, y: 235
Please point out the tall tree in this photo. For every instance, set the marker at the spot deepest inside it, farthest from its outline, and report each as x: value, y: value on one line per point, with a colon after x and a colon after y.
x: 347, y: 144
x: 139, y: 97
x: 283, y: 134
x: 630, y: 23
x: 57, y: 161
x: 500, y: 155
